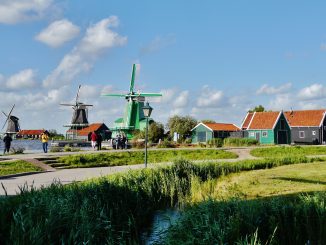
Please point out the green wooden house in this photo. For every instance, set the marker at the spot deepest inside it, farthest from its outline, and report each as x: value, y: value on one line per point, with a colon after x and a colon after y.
x: 267, y: 127
x: 203, y: 132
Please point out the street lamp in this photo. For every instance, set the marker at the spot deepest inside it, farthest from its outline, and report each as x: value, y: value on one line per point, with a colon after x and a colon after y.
x: 147, y: 110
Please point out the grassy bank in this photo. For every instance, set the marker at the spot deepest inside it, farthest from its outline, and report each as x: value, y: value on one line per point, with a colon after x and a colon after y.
x: 137, y: 157
x: 15, y: 167
x: 281, y: 151
x: 114, y: 209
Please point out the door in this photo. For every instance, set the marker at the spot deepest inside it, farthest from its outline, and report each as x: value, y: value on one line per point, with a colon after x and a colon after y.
x: 258, y: 136
x: 282, y: 137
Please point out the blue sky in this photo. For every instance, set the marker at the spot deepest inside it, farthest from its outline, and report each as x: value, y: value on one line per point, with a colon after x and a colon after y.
x: 210, y: 59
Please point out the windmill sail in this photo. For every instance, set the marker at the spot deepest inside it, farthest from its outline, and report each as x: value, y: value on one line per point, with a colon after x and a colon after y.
x: 12, y: 122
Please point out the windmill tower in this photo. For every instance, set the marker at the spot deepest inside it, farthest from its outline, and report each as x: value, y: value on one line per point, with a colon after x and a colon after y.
x: 133, y: 118
x: 12, y: 122
x: 79, y: 118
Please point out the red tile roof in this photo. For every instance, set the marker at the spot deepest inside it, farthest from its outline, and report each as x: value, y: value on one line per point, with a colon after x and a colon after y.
x: 247, y: 120
x: 222, y: 126
x: 31, y: 132
x: 305, y: 118
x: 89, y: 129
x: 264, y: 120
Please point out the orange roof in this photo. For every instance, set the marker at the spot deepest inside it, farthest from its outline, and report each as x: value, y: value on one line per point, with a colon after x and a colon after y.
x: 264, y: 120
x: 305, y: 118
x: 222, y: 126
x: 31, y: 132
x: 247, y: 120
x: 89, y: 129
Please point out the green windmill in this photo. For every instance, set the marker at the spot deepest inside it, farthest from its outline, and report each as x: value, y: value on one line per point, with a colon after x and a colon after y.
x: 133, y: 118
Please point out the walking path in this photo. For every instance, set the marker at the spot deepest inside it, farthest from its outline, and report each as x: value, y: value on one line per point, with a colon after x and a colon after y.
x: 12, y: 185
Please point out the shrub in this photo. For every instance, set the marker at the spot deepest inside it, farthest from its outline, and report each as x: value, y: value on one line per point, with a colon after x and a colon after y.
x: 240, y: 142
x: 216, y: 142
x: 56, y: 149
x: 17, y: 150
x: 166, y: 144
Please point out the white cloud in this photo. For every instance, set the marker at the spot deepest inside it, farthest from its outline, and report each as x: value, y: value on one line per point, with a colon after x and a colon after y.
x: 182, y: 99
x: 282, y: 102
x: 14, y: 11
x: 98, y: 38
x: 23, y: 79
x: 158, y: 43
x: 265, y: 89
x: 58, y: 33
x: 210, y: 98
x: 315, y: 91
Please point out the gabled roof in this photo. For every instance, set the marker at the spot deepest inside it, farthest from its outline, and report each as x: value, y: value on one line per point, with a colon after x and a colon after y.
x: 219, y: 126
x: 31, y: 132
x: 247, y: 120
x: 264, y: 120
x: 305, y: 118
x: 91, y: 128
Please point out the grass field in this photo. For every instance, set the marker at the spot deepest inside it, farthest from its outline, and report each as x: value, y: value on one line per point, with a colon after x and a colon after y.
x: 137, y: 157
x: 283, y: 151
x: 14, y: 167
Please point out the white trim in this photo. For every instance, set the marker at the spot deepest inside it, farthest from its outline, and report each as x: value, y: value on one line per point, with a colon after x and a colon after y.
x: 203, y: 125
x: 251, y: 120
x: 236, y: 127
x: 244, y: 120
x: 276, y: 121
x: 322, y: 121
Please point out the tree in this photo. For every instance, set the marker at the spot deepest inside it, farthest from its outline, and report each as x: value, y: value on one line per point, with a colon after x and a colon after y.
x: 155, y: 132
x: 208, y: 121
x: 181, y: 125
x: 259, y: 108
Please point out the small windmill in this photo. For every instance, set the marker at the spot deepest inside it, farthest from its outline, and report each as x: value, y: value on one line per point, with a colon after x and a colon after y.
x: 79, y: 118
x: 133, y: 117
x: 12, y: 122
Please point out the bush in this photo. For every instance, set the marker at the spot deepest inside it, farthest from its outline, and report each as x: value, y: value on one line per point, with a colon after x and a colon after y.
x: 240, y: 142
x: 56, y: 149
x: 202, y: 145
x: 216, y: 142
x: 166, y: 144
x: 17, y: 150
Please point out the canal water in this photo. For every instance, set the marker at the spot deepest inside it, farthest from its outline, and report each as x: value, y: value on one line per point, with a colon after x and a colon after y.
x: 30, y: 146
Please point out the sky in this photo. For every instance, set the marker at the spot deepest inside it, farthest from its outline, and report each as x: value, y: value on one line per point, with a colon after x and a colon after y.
x: 210, y: 59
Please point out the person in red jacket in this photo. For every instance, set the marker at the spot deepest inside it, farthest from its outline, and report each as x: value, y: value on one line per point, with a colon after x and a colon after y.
x: 93, y: 139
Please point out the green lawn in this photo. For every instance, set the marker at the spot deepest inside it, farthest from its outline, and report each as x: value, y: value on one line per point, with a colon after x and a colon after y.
x: 14, y: 167
x: 286, y: 151
x: 137, y: 157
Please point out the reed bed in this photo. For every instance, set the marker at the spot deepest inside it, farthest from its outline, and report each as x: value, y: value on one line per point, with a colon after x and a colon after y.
x: 111, y: 210
x: 137, y: 157
x: 281, y: 151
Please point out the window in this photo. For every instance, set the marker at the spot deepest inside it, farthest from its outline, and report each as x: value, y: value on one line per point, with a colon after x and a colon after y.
x: 265, y: 134
x: 252, y: 134
x: 301, y: 134
x: 313, y: 132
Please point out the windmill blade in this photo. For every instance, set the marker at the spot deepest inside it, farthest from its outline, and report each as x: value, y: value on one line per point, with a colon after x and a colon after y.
x: 5, y: 123
x: 77, y: 94
x: 4, y: 114
x: 87, y: 105
x: 11, y: 111
x: 146, y: 95
x: 115, y: 95
x: 66, y: 104
x: 132, y: 81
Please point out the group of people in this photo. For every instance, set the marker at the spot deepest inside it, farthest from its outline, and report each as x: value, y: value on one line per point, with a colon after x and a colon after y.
x: 96, y: 140
x: 120, y: 142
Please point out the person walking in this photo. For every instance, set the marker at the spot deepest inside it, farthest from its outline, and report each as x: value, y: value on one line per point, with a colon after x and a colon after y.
x: 7, y: 140
x: 99, y: 142
x: 93, y: 139
x: 45, y: 140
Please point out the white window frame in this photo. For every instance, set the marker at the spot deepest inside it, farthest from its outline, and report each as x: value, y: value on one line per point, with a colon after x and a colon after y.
x: 313, y: 132
x: 303, y: 133
x: 252, y: 134
x: 264, y: 134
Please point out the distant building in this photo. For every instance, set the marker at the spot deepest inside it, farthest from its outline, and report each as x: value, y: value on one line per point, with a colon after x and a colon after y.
x: 30, y: 134
x: 307, y: 126
x: 203, y: 132
x: 84, y: 134
x: 267, y: 127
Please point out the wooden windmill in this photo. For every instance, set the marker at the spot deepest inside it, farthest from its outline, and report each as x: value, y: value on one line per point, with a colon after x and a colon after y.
x: 12, y: 122
x: 79, y: 118
x: 133, y: 116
